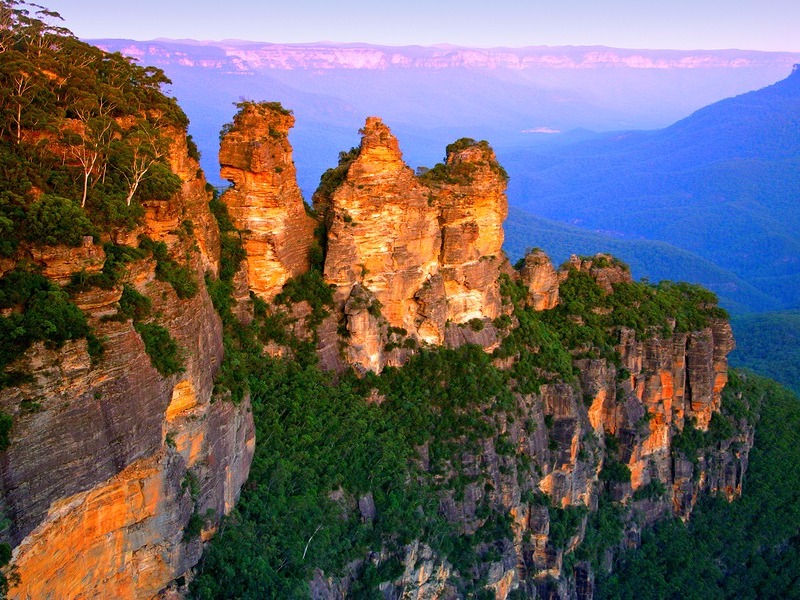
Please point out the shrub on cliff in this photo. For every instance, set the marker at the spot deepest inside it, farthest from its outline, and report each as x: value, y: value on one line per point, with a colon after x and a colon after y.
x: 180, y: 277
x: 53, y: 220
x: 42, y: 312
x: 164, y: 352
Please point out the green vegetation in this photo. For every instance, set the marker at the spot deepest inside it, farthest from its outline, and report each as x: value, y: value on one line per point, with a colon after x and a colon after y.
x: 316, y: 437
x: 133, y: 305
x: 6, y: 423
x: 180, y: 277
x: 586, y: 322
x: 749, y: 548
x: 42, y: 312
x: 83, y: 134
x: 461, y: 173
x: 769, y: 344
x: 262, y: 107
x: 164, y: 352
x: 53, y: 220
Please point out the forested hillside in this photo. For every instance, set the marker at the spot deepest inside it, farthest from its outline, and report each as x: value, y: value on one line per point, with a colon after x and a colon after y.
x: 749, y: 548
x: 769, y: 344
x: 722, y: 183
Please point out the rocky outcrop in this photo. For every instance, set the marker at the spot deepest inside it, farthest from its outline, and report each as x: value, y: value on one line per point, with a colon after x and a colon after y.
x: 604, y: 269
x: 541, y: 279
x: 109, y: 461
x: 427, y: 249
x: 264, y: 201
x: 550, y: 460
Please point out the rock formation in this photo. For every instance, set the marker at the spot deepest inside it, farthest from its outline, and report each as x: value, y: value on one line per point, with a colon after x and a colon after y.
x: 109, y: 461
x: 264, y: 201
x: 541, y: 279
x: 116, y: 475
x: 603, y: 268
x: 426, y: 250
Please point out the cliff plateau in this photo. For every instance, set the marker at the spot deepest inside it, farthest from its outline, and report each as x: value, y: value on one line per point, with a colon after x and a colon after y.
x: 611, y: 397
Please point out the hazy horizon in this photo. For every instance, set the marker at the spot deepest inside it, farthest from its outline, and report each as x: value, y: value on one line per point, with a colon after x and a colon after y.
x: 767, y: 25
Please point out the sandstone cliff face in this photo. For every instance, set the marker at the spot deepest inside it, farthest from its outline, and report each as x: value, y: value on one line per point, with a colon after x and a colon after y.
x: 109, y: 461
x: 541, y: 279
x: 415, y: 260
x: 265, y: 203
x: 560, y: 440
x: 427, y: 249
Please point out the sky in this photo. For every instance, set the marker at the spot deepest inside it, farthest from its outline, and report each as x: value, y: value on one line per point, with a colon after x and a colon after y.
x: 662, y: 24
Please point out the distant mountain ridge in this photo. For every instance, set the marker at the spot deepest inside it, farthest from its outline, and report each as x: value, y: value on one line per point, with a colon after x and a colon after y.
x: 243, y: 55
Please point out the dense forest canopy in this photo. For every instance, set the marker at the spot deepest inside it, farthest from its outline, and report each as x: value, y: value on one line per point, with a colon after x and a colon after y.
x: 79, y: 127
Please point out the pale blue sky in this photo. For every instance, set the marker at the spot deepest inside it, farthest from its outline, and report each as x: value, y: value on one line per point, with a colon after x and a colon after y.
x: 674, y: 24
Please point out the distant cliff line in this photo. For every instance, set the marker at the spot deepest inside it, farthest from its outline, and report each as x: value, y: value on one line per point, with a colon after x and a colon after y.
x: 247, y: 55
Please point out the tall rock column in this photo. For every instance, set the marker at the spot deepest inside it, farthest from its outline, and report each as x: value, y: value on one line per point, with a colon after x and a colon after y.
x: 472, y: 200
x: 384, y: 238
x: 265, y: 202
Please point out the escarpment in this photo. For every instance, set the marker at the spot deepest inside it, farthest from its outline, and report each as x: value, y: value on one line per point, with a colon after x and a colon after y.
x: 613, y: 388
x: 485, y: 431
x: 116, y: 472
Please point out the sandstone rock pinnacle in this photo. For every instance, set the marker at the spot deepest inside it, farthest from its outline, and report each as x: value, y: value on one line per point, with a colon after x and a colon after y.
x: 265, y: 202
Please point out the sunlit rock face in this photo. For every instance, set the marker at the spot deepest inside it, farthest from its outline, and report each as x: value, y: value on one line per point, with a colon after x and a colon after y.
x: 108, y: 460
x: 428, y: 249
x: 265, y: 202
x: 541, y: 279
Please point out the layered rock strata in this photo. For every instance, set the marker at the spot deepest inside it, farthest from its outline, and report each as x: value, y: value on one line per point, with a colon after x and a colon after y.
x: 421, y: 252
x: 415, y: 259
x: 264, y: 201
x: 109, y: 461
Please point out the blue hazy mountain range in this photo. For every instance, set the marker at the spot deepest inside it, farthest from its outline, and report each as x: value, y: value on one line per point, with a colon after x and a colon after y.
x: 710, y: 199
x: 723, y: 183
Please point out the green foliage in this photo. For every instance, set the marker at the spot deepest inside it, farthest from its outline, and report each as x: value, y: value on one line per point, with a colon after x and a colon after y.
x: 564, y: 524
x: 262, y: 107
x: 461, y: 173
x: 476, y: 324
x: 316, y: 437
x: 615, y: 471
x: 769, y: 344
x: 309, y: 287
x: 82, y: 133
x: 604, y: 529
x: 193, y: 527
x: 160, y: 184
x: 689, y: 440
x: 329, y: 182
x: 6, y: 424
x: 43, y: 312
x: 654, y: 490
x: 164, y: 352
x: 53, y: 220
x: 133, y: 305
x: 232, y: 250
x: 180, y: 277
